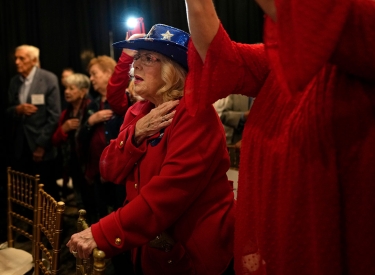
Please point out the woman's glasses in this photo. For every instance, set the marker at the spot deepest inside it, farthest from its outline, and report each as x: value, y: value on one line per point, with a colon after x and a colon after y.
x: 146, y: 59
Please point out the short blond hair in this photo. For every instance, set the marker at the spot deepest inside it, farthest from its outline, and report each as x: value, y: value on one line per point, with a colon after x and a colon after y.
x: 105, y: 62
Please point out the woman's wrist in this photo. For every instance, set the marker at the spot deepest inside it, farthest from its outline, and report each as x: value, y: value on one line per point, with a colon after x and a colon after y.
x: 137, y: 140
x: 90, y: 121
x: 138, y: 137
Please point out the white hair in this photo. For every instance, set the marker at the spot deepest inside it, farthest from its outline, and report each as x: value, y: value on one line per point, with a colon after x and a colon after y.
x: 81, y: 81
x: 32, y: 52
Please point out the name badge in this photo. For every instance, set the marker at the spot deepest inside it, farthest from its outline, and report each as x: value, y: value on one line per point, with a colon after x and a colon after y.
x: 37, y: 99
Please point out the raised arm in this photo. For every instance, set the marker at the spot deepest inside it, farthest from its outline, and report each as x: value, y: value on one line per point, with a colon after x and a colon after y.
x: 119, y: 81
x: 203, y: 24
x: 117, y: 84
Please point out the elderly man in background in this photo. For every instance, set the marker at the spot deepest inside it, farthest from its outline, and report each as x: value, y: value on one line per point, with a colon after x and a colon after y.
x: 34, y: 110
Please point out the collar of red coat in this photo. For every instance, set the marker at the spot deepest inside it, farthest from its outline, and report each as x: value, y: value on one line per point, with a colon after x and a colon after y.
x: 141, y: 108
x: 304, y: 38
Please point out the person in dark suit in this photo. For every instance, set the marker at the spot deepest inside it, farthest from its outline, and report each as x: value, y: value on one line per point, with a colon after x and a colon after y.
x: 34, y: 110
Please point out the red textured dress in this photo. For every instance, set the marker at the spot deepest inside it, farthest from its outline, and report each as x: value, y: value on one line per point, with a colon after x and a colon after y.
x: 306, y: 195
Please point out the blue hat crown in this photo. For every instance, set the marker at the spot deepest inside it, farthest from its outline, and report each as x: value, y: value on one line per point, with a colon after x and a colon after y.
x: 164, y: 39
x: 168, y: 33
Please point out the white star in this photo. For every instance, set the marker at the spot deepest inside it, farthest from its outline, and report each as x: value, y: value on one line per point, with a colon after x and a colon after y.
x: 167, y: 35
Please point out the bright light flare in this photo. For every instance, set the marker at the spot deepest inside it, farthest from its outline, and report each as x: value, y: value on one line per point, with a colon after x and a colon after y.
x: 132, y: 22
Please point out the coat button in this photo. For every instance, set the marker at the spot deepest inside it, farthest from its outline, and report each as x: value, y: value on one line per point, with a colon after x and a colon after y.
x: 136, y: 186
x: 170, y: 261
x: 118, y: 241
x: 121, y: 144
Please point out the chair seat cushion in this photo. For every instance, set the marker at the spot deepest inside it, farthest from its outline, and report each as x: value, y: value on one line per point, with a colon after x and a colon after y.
x: 15, y: 261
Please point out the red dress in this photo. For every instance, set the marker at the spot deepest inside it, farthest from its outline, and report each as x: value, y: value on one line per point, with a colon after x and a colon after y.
x: 306, y: 195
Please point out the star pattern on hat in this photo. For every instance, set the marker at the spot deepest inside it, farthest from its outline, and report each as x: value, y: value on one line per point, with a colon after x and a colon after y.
x: 167, y: 35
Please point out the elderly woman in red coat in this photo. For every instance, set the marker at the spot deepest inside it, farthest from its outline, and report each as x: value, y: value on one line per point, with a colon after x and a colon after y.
x: 178, y: 216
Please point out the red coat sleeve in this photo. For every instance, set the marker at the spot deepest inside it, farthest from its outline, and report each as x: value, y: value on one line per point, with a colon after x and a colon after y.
x: 117, y: 85
x: 229, y: 68
x: 59, y: 136
x: 120, y: 150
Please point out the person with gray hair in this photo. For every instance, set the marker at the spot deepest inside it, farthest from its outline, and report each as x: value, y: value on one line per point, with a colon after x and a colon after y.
x: 77, y: 87
x: 32, y: 51
x: 34, y: 110
x: 81, y: 82
x: 67, y: 71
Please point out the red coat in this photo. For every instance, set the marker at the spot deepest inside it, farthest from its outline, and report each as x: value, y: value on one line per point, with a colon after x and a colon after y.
x: 177, y: 185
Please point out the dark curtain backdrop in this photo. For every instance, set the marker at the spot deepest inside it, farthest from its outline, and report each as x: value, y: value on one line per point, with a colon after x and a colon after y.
x: 70, y: 32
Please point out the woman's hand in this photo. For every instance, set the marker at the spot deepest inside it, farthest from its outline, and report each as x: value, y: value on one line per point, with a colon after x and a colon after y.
x: 70, y: 124
x: 157, y: 119
x: 100, y: 116
x: 134, y: 36
x: 82, y: 244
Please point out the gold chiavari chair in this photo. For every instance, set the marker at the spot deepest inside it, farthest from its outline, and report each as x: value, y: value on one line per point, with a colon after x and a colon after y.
x: 22, y: 204
x: 48, y: 234
x: 96, y: 264
x: 21, y: 221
